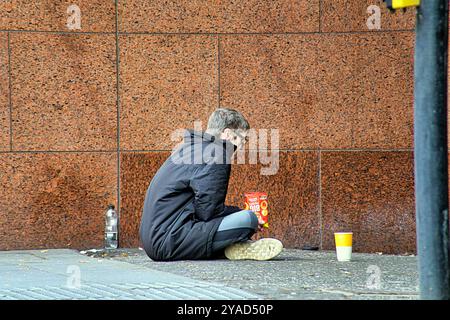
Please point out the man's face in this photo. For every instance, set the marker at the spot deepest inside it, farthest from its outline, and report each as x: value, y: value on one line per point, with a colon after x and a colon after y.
x: 236, y: 137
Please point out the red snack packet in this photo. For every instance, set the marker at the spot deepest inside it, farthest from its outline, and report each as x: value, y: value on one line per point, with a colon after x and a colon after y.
x: 257, y: 202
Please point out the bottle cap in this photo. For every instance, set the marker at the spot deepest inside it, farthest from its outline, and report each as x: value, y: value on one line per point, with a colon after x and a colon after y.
x: 111, y: 206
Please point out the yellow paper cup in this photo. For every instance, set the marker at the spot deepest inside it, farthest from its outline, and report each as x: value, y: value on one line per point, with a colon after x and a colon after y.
x: 343, y: 245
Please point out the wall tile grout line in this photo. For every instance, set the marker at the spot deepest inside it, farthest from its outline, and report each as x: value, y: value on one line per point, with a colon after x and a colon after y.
x: 118, y: 115
x: 169, y: 150
x: 59, y: 32
x: 10, y: 94
x: 59, y: 151
x: 267, y: 33
x: 320, y: 203
x: 209, y: 33
x: 355, y: 150
x: 218, y: 70
x: 298, y: 150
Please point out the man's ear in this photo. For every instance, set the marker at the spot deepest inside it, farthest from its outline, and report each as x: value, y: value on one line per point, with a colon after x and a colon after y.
x: 226, y: 134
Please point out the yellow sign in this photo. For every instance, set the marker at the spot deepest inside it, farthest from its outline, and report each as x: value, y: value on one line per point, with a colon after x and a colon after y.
x: 399, y: 4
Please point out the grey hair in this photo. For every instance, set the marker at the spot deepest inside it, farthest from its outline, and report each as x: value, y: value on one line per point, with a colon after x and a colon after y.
x: 224, y: 118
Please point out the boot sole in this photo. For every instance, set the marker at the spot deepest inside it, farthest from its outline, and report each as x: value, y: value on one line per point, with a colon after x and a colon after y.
x: 262, y: 249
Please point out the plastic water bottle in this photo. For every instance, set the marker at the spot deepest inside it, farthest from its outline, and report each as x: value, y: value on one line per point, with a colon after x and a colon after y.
x: 111, y: 228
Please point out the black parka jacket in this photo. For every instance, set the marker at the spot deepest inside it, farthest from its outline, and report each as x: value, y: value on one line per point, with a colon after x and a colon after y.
x: 184, y: 203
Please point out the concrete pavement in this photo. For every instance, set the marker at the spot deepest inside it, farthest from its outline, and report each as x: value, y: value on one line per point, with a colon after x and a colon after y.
x: 67, y: 274
x: 130, y: 274
x: 297, y: 274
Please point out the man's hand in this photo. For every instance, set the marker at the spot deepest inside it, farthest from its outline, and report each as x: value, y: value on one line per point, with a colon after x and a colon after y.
x: 260, y: 224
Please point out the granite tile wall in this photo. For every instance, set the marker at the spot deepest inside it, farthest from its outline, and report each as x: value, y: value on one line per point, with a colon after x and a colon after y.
x: 77, y: 108
x: 352, y: 15
x: 4, y: 93
x: 370, y: 194
x: 323, y: 90
x: 168, y: 80
x: 92, y: 95
x: 210, y: 16
x: 53, y: 15
x: 55, y: 200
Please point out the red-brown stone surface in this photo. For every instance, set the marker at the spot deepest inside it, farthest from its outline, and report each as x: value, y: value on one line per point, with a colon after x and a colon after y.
x: 311, y: 69
x: 167, y: 83
x: 352, y: 15
x: 323, y: 90
x: 55, y: 200
x: 52, y: 15
x: 219, y: 16
x: 136, y: 171
x: 4, y: 93
x: 372, y: 195
x: 293, y: 194
x: 63, y: 92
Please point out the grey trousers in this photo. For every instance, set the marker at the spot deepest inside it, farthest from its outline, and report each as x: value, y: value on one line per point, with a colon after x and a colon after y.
x: 235, y: 227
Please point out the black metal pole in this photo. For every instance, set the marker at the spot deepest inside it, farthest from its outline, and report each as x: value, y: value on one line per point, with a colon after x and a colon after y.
x: 430, y: 148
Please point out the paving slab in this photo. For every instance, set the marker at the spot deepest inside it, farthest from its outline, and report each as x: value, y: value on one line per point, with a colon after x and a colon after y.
x: 68, y: 274
x: 297, y: 274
